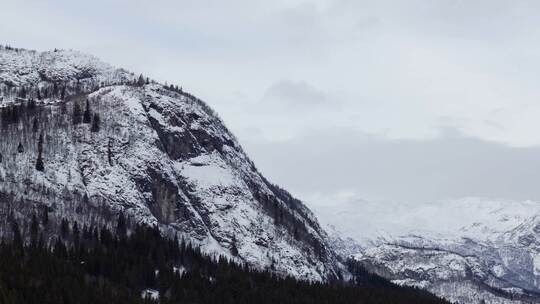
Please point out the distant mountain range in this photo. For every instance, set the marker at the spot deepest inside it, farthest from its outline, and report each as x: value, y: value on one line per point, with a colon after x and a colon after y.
x: 481, y: 250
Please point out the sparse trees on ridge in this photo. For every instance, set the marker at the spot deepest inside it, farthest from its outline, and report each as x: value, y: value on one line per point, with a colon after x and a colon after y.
x: 141, y: 81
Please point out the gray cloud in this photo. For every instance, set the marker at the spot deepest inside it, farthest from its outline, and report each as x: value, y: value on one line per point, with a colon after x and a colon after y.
x: 450, y: 166
x: 294, y: 93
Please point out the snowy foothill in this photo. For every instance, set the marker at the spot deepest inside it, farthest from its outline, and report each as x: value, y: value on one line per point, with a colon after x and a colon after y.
x: 467, y: 249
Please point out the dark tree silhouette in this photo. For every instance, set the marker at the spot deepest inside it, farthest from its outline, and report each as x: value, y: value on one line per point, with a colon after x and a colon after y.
x: 35, y: 125
x: 18, y: 242
x: 121, y: 226
x: 87, y: 117
x: 77, y: 119
x: 234, y: 247
x: 39, y: 161
x: 45, y: 217
x: 95, y: 123
x: 140, y: 81
x: 109, y: 152
x: 64, y: 228
x: 34, y: 231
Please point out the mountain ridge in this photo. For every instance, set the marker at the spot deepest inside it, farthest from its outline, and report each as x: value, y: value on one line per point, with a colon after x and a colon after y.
x: 160, y: 155
x: 489, y: 255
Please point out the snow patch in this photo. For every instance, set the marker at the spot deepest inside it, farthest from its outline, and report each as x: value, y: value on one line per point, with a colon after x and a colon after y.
x: 150, y: 294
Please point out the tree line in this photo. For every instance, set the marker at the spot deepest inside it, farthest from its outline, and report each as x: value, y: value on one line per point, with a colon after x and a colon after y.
x: 90, y: 264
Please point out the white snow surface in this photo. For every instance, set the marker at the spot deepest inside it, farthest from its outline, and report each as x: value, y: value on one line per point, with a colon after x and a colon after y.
x: 150, y: 294
x: 465, y: 250
x: 24, y: 67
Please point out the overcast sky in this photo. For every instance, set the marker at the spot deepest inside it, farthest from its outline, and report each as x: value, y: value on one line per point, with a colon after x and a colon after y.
x: 415, y: 101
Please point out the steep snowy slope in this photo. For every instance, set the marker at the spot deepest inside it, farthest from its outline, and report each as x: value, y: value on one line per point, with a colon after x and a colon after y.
x: 112, y: 142
x: 480, y: 250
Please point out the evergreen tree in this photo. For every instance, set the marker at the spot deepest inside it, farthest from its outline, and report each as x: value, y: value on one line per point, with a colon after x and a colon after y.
x: 77, y: 119
x: 109, y: 152
x: 87, y: 117
x: 234, y: 247
x: 35, y: 125
x: 18, y: 243
x: 64, y: 228
x: 55, y: 90
x: 63, y: 108
x: 76, y: 234
x: 45, y: 216
x: 22, y: 92
x: 20, y: 148
x: 140, y: 81
x: 31, y: 105
x: 121, y: 227
x: 34, y: 230
x: 39, y: 161
x: 95, y: 123
x: 13, y: 114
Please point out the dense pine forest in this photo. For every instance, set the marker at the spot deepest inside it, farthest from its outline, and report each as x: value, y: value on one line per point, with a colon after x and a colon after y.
x: 101, y: 265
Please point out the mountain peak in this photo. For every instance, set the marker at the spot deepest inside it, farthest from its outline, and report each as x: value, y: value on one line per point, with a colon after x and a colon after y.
x: 21, y: 67
x: 161, y: 156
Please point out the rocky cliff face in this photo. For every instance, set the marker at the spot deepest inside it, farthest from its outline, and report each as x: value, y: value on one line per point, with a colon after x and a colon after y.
x: 112, y: 143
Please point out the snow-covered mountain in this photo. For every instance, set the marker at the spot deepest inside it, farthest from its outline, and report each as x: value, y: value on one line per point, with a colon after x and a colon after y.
x: 111, y: 142
x: 480, y: 250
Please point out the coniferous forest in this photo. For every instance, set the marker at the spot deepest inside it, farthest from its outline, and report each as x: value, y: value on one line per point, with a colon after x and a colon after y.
x: 100, y: 265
